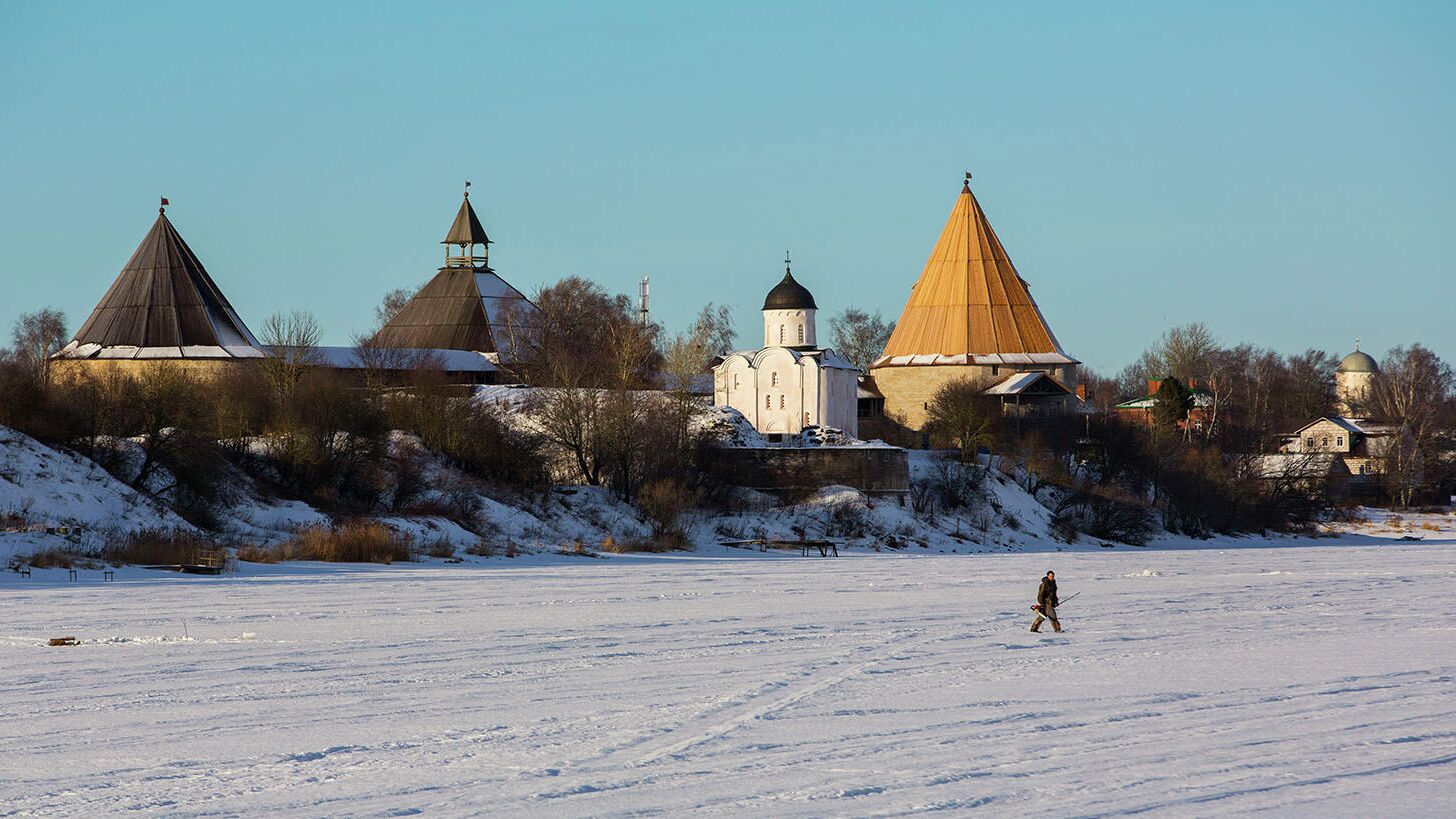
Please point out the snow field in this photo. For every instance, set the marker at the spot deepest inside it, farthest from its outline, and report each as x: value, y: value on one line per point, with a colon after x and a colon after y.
x: 1303, y: 680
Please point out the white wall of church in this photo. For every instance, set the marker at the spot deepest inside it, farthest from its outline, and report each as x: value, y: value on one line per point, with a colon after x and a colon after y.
x: 1352, y: 392
x: 785, y: 394
x: 789, y: 328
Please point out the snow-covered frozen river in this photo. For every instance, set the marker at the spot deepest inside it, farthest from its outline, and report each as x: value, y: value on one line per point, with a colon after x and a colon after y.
x: 1315, y: 680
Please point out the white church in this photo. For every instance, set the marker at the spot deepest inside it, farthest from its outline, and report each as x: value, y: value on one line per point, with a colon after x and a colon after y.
x: 790, y: 383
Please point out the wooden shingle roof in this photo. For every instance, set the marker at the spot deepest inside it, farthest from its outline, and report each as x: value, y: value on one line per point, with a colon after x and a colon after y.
x: 969, y: 304
x: 163, y: 297
x: 466, y: 229
x: 461, y: 308
x: 466, y: 306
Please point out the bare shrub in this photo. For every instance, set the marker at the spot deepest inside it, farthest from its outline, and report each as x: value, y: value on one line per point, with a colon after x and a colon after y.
x: 476, y: 437
x: 1104, y: 512
x: 355, y: 541
x: 848, y: 518
x: 164, y: 547
x: 922, y: 496
x: 53, y: 559
x: 14, y: 520
x: 635, y: 545
x: 407, y: 468
x: 253, y: 553
x: 481, y: 549
x: 663, y: 503
x: 441, y: 548
x: 950, y: 485
x: 576, y: 549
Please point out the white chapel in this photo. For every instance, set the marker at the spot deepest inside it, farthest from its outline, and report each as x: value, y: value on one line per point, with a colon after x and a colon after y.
x: 791, y: 382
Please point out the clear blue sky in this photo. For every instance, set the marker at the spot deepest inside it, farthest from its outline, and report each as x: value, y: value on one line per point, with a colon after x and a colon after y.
x: 1286, y: 175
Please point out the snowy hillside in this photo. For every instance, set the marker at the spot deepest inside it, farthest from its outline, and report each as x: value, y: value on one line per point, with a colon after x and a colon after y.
x: 42, y: 488
x: 46, y: 487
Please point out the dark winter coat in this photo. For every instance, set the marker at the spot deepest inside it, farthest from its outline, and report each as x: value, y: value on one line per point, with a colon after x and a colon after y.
x: 1046, y: 596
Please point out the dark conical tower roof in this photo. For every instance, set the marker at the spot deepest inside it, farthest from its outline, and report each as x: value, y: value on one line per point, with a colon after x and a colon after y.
x: 164, y: 297
x: 466, y: 230
x: 466, y: 306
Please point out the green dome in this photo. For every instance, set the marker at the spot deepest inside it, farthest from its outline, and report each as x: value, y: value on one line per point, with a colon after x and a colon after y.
x: 1357, y: 362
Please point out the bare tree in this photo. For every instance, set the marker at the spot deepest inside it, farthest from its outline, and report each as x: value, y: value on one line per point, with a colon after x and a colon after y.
x: 1184, y: 352
x: 688, y: 355
x: 579, y: 335
x: 36, y: 337
x: 1410, y: 392
x: 166, y: 409
x: 570, y: 418
x: 391, y: 304
x: 381, y: 365
x: 960, y: 411
x: 860, y: 336
x: 292, y: 340
x: 1310, y: 390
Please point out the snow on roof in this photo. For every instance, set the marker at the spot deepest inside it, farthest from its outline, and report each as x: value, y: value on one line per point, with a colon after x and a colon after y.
x: 455, y: 361
x: 1347, y: 424
x: 1287, y: 465
x: 1015, y: 384
x: 866, y: 388
x: 986, y: 359
x: 1200, y: 399
x: 825, y: 357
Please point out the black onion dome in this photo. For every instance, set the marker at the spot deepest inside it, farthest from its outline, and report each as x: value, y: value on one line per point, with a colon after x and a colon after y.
x: 789, y: 295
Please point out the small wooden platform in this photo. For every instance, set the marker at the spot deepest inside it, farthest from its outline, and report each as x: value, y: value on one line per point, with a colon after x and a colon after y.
x: 186, y: 568
x: 208, y: 561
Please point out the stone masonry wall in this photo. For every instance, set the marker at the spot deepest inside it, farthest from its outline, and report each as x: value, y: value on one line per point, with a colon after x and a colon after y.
x: 873, y: 470
x: 908, y: 389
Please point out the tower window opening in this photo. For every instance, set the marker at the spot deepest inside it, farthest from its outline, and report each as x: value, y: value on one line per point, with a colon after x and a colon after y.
x: 783, y: 403
x: 801, y: 334
x: 768, y: 402
x: 774, y: 380
x: 781, y: 334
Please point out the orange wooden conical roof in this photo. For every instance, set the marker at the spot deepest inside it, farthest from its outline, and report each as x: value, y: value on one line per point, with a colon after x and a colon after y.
x: 969, y: 305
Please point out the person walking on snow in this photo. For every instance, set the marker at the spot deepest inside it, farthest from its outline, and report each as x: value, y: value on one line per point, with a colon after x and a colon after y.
x: 1046, y: 603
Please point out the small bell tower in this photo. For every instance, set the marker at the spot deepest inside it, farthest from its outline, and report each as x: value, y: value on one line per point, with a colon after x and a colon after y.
x: 466, y: 234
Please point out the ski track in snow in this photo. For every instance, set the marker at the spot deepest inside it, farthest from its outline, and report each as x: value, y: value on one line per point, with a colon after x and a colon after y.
x: 1304, y: 680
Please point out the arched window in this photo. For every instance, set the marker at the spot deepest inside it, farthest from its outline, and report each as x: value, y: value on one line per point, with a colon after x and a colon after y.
x: 768, y: 402
x: 735, y: 381
x: 782, y: 403
x: 801, y: 334
x: 774, y: 380
x: 781, y: 334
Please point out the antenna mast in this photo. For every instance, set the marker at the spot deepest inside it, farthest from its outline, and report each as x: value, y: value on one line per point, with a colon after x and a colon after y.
x: 642, y: 294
